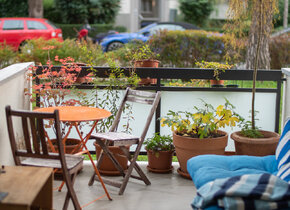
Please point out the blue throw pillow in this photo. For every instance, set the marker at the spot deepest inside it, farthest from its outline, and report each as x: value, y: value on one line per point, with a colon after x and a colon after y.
x: 283, y: 153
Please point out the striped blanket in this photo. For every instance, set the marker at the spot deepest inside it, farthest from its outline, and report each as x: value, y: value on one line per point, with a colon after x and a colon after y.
x: 252, y: 191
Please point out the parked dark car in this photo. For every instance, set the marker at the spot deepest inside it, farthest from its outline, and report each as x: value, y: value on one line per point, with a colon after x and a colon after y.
x: 115, y: 41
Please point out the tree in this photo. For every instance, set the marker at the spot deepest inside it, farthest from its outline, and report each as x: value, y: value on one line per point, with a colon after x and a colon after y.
x: 261, y: 17
x: 72, y: 11
x: 15, y: 8
x: 261, y: 13
x: 286, y: 15
x: 196, y: 11
x: 35, y: 8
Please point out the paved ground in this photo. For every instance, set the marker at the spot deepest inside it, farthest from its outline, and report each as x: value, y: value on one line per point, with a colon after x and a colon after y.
x: 166, y: 192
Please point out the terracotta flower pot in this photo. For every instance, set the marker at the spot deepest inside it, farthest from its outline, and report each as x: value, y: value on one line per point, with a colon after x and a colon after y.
x: 187, y: 147
x: 70, y: 145
x: 149, y: 64
x: 216, y: 83
x: 107, y: 167
x: 256, y: 146
x: 161, y: 162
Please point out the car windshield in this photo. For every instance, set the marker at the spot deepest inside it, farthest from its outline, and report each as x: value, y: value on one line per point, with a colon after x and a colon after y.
x: 51, y: 24
x: 146, y: 28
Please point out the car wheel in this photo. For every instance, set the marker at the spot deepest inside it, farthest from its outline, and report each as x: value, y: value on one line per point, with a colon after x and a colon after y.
x: 26, y: 47
x: 114, y: 46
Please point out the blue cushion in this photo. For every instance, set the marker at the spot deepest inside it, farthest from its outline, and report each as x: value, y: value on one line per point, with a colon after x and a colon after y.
x: 205, y: 168
x: 283, y: 153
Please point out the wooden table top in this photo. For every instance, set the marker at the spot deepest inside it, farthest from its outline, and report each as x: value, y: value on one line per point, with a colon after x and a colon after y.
x: 78, y: 113
x: 23, y: 183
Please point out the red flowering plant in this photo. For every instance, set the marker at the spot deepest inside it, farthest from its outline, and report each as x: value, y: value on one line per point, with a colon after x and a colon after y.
x: 56, y: 86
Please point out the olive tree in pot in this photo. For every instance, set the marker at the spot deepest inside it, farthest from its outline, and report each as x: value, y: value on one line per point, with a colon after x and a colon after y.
x: 251, y: 140
x: 198, y: 133
x: 159, y: 151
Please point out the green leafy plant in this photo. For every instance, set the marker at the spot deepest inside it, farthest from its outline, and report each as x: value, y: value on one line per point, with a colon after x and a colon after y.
x: 159, y: 143
x: 217, y: 67
x: 247, y: 130
x: 142, y: 53
x: 203, y: 123
x: 7, y: 55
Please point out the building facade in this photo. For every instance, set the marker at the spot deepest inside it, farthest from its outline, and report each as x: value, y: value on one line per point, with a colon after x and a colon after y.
x: 134, y: 14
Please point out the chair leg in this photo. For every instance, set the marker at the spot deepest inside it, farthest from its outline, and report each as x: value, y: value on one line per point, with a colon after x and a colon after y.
x: 99, y: 161
x: 129, y: 172
x: 136, y: 166
x: 71, y: 194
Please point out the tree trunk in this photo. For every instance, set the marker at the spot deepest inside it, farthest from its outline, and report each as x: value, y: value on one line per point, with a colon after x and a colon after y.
x: 264, y: 54
x: 285, y: 16
x: 35, y: 8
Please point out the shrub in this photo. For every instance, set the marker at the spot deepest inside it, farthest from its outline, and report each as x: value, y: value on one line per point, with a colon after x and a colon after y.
x: 7, y: 55
x: 185, y: 48
x: 80, y: 52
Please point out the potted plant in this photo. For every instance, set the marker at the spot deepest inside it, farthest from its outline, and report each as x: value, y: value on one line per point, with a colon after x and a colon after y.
x: 250, y: 140
x: 143, y: 56
x: 217, y: 69
x: 53, y: 90
x: 159, y: 151
x: 199, y: 132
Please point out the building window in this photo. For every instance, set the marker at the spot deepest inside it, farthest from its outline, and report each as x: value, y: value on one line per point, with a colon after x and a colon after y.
x: 147, y: 6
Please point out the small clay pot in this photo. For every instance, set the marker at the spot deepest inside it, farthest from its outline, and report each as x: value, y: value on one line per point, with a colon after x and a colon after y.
x: 160, y: 162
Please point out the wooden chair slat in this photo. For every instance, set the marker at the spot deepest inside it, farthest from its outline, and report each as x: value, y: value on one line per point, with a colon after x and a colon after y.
x: 41, y: 135
x: 140, y: 100
x: 142, y: 93
x: 26, y: 135
x: 34, y: 135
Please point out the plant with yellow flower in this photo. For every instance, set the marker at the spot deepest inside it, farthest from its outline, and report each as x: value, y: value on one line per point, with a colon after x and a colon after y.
x: 204, y: 123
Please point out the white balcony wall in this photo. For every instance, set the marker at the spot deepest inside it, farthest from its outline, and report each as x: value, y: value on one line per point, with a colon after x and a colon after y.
x: 286, y: 95
x: 12, y: 84
x: 185, y: 101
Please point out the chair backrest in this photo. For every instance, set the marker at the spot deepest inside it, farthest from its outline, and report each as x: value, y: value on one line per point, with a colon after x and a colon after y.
x: 33, y: 128
x: 137, y: 96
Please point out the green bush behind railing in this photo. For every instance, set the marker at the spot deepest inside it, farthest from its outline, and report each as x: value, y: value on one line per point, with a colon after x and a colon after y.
x: 185, y: 48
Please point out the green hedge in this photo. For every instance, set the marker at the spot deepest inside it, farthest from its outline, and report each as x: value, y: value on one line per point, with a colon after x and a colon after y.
x: 39, y: 51
x: 185, y: 48
x: 69, y: 31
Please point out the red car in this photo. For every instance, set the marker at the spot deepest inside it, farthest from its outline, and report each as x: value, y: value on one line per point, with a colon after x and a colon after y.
x: 15, y: 31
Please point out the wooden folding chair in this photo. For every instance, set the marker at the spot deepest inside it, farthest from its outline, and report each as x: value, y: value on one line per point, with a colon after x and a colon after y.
x: 114, y: 138
x: 36, y: 152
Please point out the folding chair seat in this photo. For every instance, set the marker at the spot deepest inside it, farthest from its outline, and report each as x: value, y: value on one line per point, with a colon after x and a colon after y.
x: 120, y: 139
x: 36, y: 152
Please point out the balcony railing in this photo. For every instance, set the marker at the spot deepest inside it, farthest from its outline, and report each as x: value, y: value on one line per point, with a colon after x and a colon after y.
x: 267, y: 101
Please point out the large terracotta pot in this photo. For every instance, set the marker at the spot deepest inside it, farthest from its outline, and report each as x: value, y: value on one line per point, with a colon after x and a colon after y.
x: 187, y: 147
x: 107, y: 167
x: 72, y: 146
x: 256, y: 146
x: 149, y: 64
x: 160, y: 162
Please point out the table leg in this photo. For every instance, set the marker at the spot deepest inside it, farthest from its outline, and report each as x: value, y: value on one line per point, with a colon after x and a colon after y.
x: 83, y: 143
